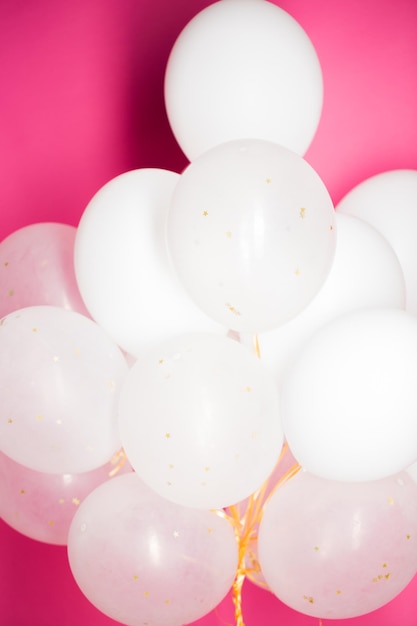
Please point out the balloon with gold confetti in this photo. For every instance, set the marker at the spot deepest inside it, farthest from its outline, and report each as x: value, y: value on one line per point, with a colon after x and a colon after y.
x: 136, y: 555
x: 251, y: 233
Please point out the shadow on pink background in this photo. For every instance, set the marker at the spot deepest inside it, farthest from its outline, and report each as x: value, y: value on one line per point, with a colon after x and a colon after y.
x: 81, y: 101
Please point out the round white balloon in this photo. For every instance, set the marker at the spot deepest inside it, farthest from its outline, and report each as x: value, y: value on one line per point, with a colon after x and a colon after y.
x: 60, y: 377
x: 199, y: 421
x: 365, y: 273
x: 122, y: 266
x: 251, y: 232
x: 349, y: 401
x: 243, y: 69
x: 388, y: 201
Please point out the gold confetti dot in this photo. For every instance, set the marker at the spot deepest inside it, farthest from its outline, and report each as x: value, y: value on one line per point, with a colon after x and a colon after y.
x: 167, y: 435
x: 61, y: 501
x: 387, y: 576
x: 22, y: 492
x: 209, y: 530
x: 380, y: 577
x: 39, y: 418
x: 229, y: 234
x: 167, y: 601
x: 309, y: 599
x: 205, y: 213
x: 10, y: 421
x: 384, y: 565
x: 375, y: 580
x: 302, y: 212
x: 169, y: 484
x: 232, y: 309
x: 11, y: 292
x: 207, y: 468
x: 408, y: 536
x: 171, y: 466
x: 34, y: 330
x: 6, y: 263
x: 330, y: 227
x: 248, y: 389
x: 160, y: 361
x: 75, y: 501
x: 77, y: 351
x: 316, y: 548
x: 135, y: 577
x: 268, y: 180
x: 51, y: 522
x: 146, y: 594
x: 297, y: 271
x: 390, y: 501
x: 338, y: 591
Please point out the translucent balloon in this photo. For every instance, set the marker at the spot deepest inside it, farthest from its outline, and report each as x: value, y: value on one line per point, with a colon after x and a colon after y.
x: 122, y: 265
x: 41, y: 506
x: 388, y: 201
x: 243, y: 69
x: 349, y: 400
x: 37, y: 267
x: 199, y: 421
x: 60, y: 376
x: 251, y: 232
x: 365, y: 273
x: 336, y: 550
x: 137, y: 556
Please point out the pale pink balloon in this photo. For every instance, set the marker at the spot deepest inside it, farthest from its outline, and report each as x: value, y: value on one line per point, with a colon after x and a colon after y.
x: 335, y: 549
x: 141, y: 559
x: 37, y: 267
x: 41, y: 506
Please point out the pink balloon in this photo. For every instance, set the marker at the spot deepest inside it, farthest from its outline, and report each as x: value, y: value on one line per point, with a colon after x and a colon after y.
x: 141, y: 559
x: 336, y: 550
x: 41, y: 506
x: 37, y: 267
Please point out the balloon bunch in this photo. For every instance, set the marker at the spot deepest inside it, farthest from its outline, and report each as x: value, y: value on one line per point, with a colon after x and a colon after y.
x: 200, y: 383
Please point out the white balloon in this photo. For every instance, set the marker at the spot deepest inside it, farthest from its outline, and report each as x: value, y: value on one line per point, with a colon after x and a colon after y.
x: 122, y: 266
x: 60, y: 378
x: 365, y: 273
x: 388, y: 201
x: 349, y: 401
x: 199, y: 421
x: 251, y: 232
x: 243, y: 69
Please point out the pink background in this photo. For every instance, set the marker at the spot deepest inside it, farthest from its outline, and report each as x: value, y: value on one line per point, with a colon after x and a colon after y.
x: 81, y: 101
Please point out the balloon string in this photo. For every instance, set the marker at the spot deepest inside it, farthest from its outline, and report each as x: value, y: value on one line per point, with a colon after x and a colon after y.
x: 118, y: 459
x: 256, y: 347
x: 245, y: 525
